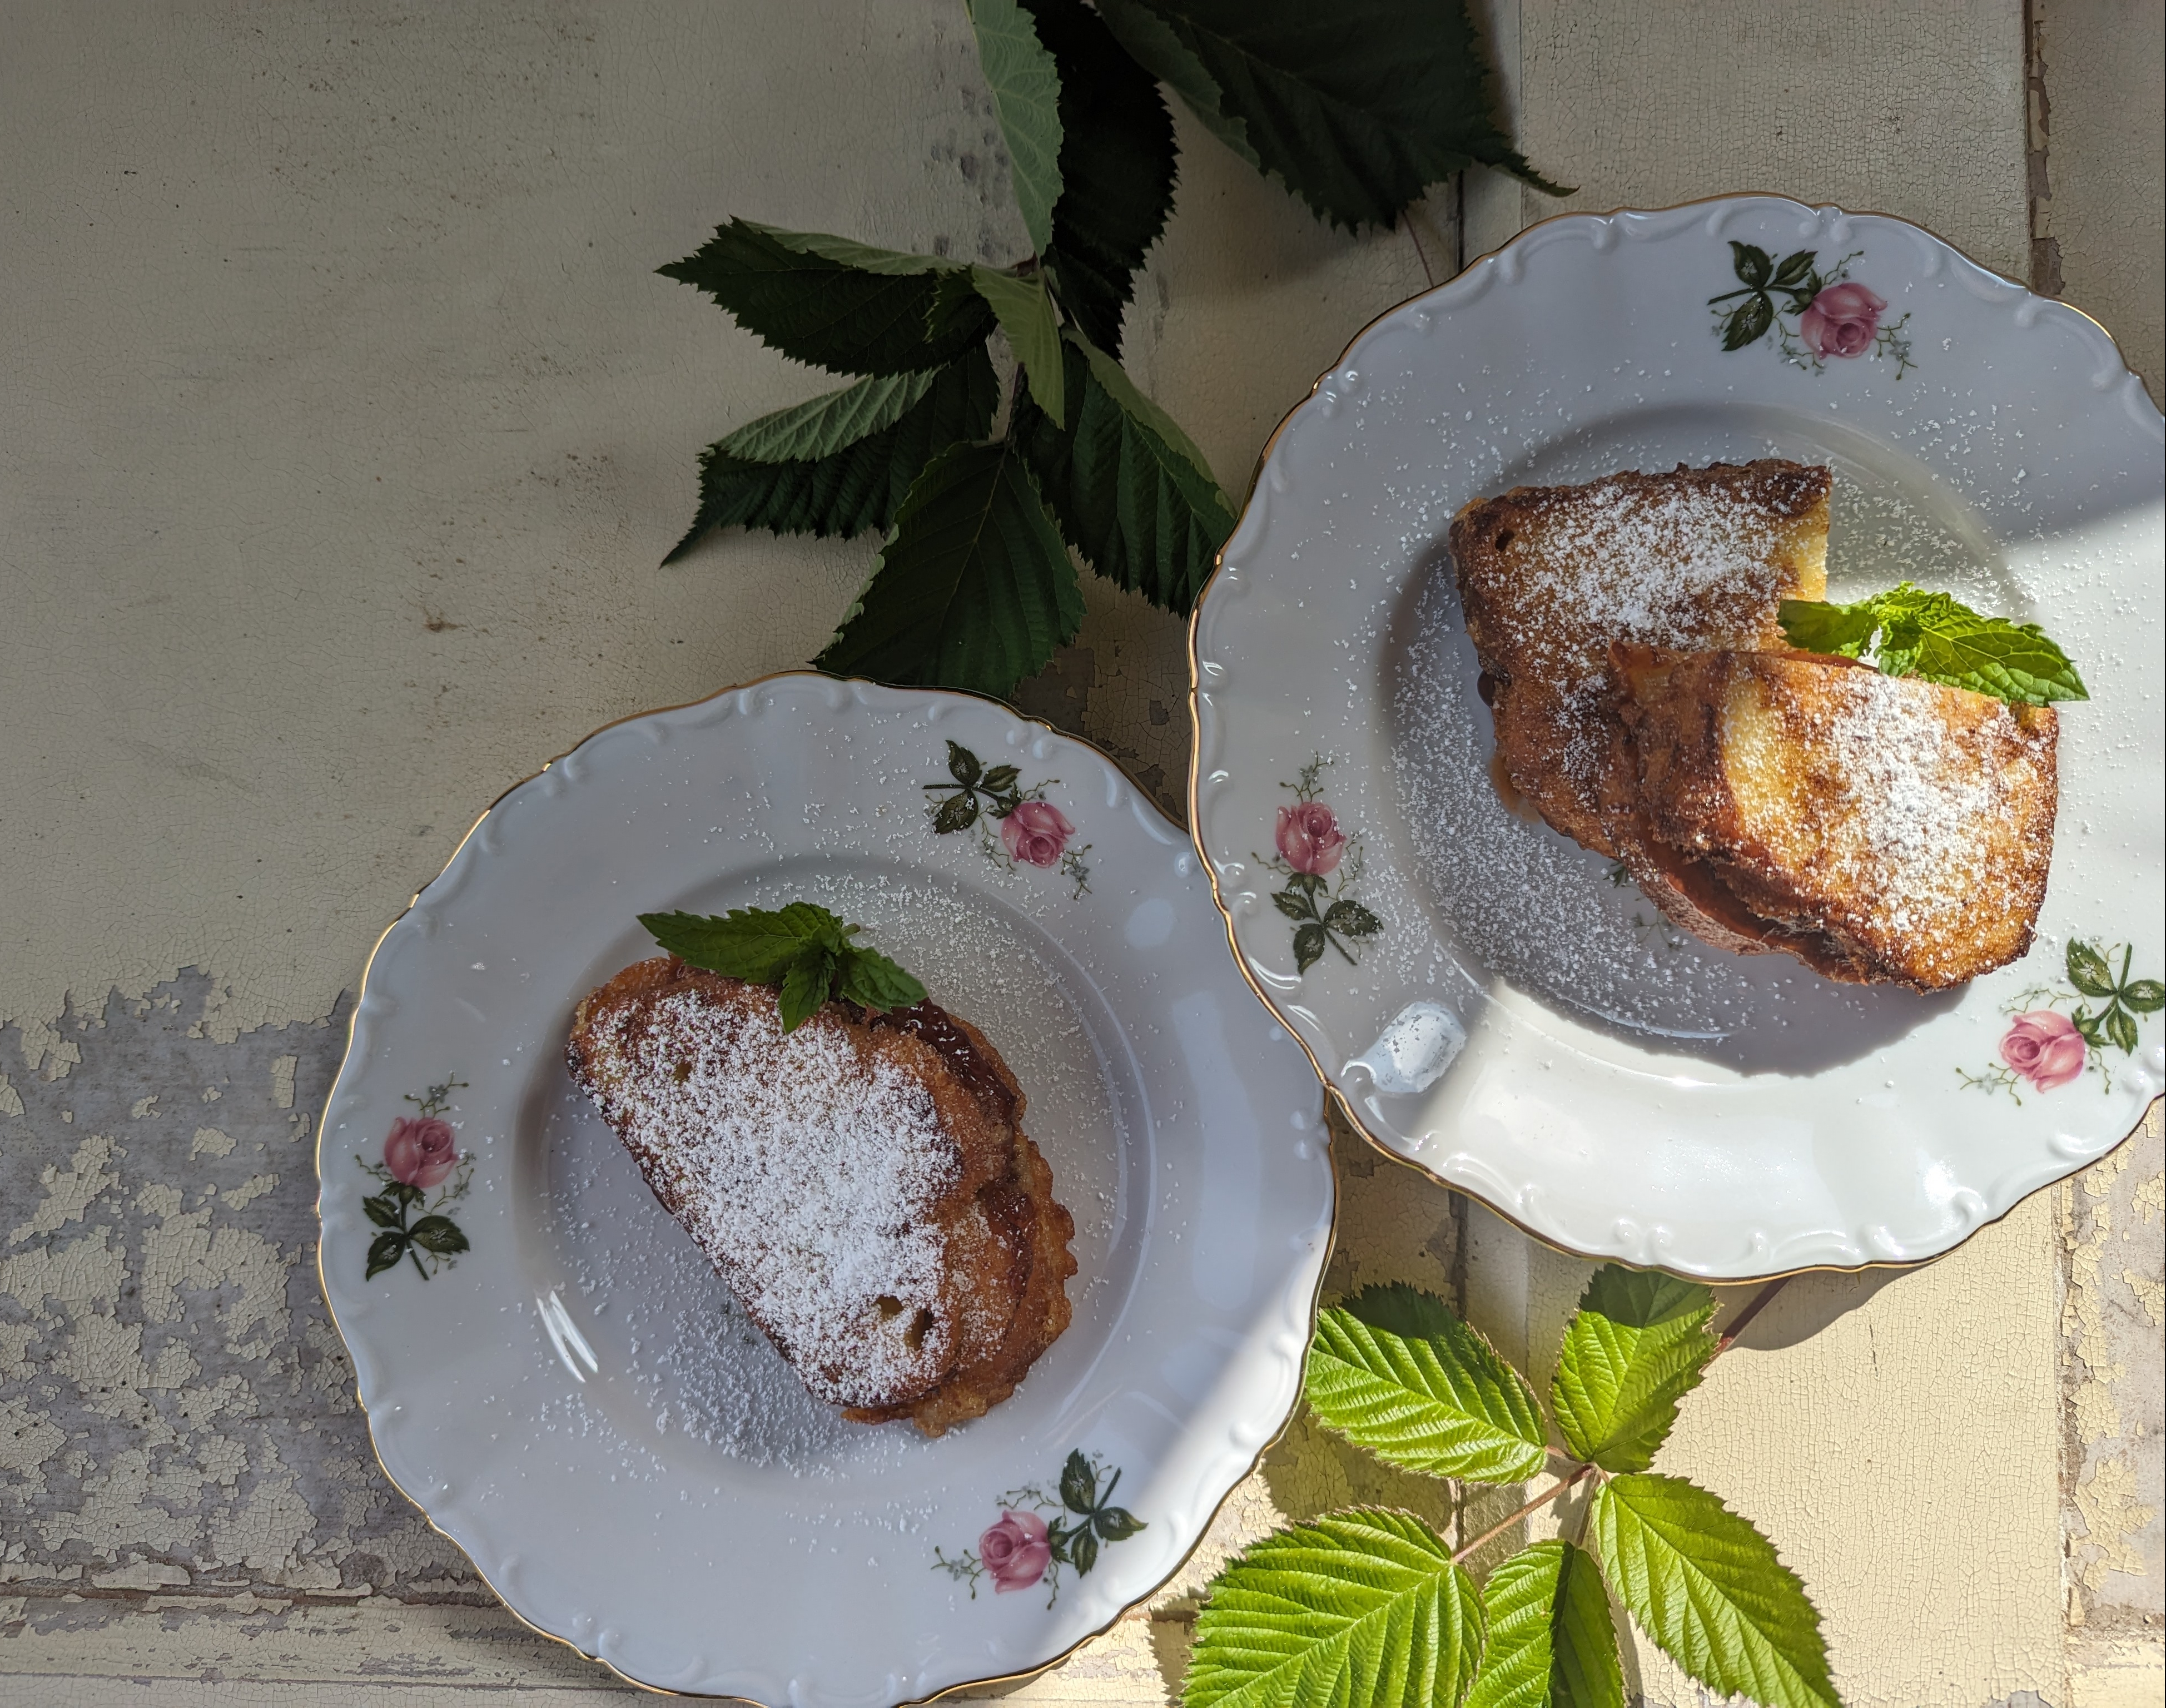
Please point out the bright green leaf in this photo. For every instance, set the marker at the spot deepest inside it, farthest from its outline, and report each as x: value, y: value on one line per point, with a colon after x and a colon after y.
x: 821, y: 426
x: 1550, y: 1641
x: 1359, y: 106
x: 1637, y: 1347
x: 1138, y: 504
x: 1936, y: 636
x: 837, y: 304
x: 1395, y: 1371
x: 975, y: 590
x: 858, y: 487
x: 1356, y: 1609
x: 1117, y: 164
x: 1025, y: 89
x: 1025, y: 312
x: 1707, y: 1588
x: 1813, y: 626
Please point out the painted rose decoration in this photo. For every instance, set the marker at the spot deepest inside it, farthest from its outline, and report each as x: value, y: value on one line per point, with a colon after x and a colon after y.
x: 1320, y: 863
x: 2044, y: 1049
x: 1844, y: 319
x: 1035, y: 833
x: 1016, y: 1552
x: 1309, y: 839
x: 1024, y: 1547
x: 1810, y: 314
x: 420, y: 1150
x: 421, y: 1156
x: 1033, y: 830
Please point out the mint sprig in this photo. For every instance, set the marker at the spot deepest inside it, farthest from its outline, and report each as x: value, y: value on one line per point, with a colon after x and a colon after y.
x: 1907, y: 631
x: 802, y: 949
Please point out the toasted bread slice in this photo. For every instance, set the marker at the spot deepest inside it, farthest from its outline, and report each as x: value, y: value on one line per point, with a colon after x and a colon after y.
x: 864, y: 1186
x: 1550, y: 576
x: 1882, y: 829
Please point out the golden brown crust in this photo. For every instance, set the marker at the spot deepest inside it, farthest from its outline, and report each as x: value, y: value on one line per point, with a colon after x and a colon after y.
x: 997, y: 1299
x: 1550, y: 577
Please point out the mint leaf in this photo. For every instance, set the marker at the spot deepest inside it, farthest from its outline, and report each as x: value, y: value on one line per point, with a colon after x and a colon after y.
x: 1813, y: 626
x: 1026, y: 96
x: 754, y: 944
x: 1396, y: 1372
x: 822, y: 426
x: 1358, y: 107
x: 974, y: 589
x: 836, y: 303
x: 805, y: 982
x: 1132, y: 494
x: 1025, y: 312
x: 875, y: 983
x: 1118, y: 163
x: 1637, y: 1347
x: 1937, y: 637
x: 1550, y: 1641
x: 1355, y: 1609
x: 1706, y: 1586
x: 861, y: 485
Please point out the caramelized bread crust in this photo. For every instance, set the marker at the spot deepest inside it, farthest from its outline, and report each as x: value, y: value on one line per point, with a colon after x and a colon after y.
x: 1882, y: 829
x: 865, y: 1186
x: 1551, y: 576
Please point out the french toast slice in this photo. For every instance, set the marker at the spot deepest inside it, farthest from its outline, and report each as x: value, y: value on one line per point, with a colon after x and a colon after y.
x: 1551, y: 576
x: 863, y: 1184
x: 1883, y: 830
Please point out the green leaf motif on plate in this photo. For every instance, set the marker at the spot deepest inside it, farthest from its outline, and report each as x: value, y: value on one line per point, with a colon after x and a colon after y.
x: 1551, y: 1644
x: 1357, y: 1610
x: 1707, y: 1587
x: 1638, y: 1344
x: 1025, y: 89
x: 1396, y: 1372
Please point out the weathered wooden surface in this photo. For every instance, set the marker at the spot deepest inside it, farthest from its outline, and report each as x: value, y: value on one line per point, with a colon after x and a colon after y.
x: 344, y: 426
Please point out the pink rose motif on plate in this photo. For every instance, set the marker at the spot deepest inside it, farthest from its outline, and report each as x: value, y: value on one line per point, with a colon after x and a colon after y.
x: 421, y: 1150
x: 1036, y: 834
x: 1017, y: 1550
x: 1844, y: 319
x: 2044, y: 1048
x: 1309, y: 839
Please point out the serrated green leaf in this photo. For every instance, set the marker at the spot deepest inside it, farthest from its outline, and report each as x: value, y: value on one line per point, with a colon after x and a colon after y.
x: 1117, y: 164
x: 1396, y: 1372
x: 1840, y: 631
x: 380, y: 1210
x: 2088, y: 970
x: 1551, y: 1644
x: 805, y: 983
x: 1308, y: 944
x: 1294, y: 906
x: 1139, y: 505
x: 1754, y: 264
x: 1116, y: 1524
x: 1937, y: 637
x: 754, y: 944
x: 1025, y: 312
x: 1350, y: 919
x: 2120, y: 1028
x: 1025, y: 89
x: 962, y: 765
x: 861, y: 486
x: 875, y: 983
x: 384, y: 1251
x: 1748, y: 323
x: 1079, y: 1483
x: 1795, y: 267
x: 836, y: 303
x: 1356, y: 1609
x: 821, y: 426
x: 441, y: 1236
x: 1358, y: 107
x: 1638, y: 1344
x: 975, y: 590
x: 958, y: 811
x: 1708, y: 1589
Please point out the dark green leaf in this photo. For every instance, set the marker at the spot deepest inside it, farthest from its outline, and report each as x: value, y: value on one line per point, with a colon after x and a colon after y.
x: 858, y: 487
x: 1307, y: 882
x: 958, y: 811
x: 1356, y: 1609
x: 1550, y: 1641
x: 399, y: 1192
x: 1025, y: 312
x: 1293, y: 904
x: 875, y: 983
x: 1796, y: 267
x: 963, y: 764
x: 1117, y: 168
x: 1708, y: 1589
x: 1001, y: 778
x: 975, y: 589
x: 2088, y: 970
x: 1116, y: 1524
x: 384, y: 1251
x: 1129, y: 499
x: 836, y: 303
x: 755, y: 944
x: 2120, y: 1028
x: 2144, y: 995
x: 1637, y: 1347
x: 1755, y: 266
x: 1748, y: 323
x: 1350, y: 919
x: 381, y: 1210
x: 1397, y: 1374
x: 805, y: 983
x: 1359, y: 107
x: 1079, y: 1484
x: 1026, y: 96
x: 1307, y: 947
x: 439, y: 1234
x: 822, y: 426
x: 2087, y: 1025
x: 1083, y: 1550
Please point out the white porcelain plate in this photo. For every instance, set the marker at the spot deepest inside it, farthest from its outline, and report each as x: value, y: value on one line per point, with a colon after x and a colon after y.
x: 577, y: 1400
x: 1515, y: 1022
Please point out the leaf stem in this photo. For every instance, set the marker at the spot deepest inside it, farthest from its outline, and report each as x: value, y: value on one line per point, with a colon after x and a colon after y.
x: 1540, y: 1501
x: 1761, y: 1301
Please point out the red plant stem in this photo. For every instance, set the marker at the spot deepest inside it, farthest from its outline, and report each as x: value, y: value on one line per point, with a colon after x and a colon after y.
x: 1761, y: 1301
x: 1536, y: 1503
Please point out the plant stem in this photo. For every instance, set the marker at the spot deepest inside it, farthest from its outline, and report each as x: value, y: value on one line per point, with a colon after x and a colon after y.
x: 1536, y: 1503
x: 1760, y: 1300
